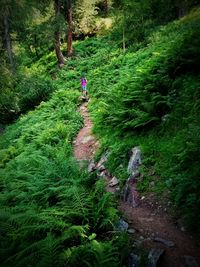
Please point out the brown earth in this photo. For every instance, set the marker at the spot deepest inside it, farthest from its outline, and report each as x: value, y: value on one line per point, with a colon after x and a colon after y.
x: 85, y: 144
x: 149, y: 219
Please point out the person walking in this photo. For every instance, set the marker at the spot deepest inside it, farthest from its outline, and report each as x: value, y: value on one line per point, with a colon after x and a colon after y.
x: 84, y: 86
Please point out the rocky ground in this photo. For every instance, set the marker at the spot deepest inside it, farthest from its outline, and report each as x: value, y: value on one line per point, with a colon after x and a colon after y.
x: 149, y: 224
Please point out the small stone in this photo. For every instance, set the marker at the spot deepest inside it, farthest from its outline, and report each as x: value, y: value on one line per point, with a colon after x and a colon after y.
x: 166, y: 242
x: 113, y: 182
x: 122, y: 226
x: 131, y: 231
x: 152, y: 184
x: 101, y: 168
x: 141, y: 237
x: 91, y: 167
x: 183, y: 229
x: 143, y: 197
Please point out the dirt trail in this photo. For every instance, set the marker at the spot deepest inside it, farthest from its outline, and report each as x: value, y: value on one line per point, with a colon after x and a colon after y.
x: 147, y: 220
x: 85, y: 145
x: 150, y: 223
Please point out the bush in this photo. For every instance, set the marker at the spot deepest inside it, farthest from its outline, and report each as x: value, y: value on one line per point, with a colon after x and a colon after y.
x: 32, y: 90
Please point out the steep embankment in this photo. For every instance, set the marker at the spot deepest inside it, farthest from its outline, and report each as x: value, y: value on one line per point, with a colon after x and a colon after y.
x: 51, y: 212
x: 150, y: 98
x: 152, y: 228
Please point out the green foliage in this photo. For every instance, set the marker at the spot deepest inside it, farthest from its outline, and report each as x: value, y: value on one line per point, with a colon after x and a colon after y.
x: 136, y: 20
x: 21, y: 94
x: 52, y: 213
x: 151, y: 98
x: 32, y: 91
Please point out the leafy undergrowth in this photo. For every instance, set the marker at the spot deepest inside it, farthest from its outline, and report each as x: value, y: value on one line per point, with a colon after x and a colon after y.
x: 150, y: 98
x: 52, y: 213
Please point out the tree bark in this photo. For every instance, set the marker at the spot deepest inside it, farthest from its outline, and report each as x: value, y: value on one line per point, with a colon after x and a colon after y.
x: 105, y: 2
x: 69, y: 32
x: 182, y: 8
x: 59, y: 55
x: 8, y: 42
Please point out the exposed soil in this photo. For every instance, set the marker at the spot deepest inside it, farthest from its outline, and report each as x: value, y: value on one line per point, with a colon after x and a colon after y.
x: 149, y: 223
x: 148, y: 219
x: 85, y: 144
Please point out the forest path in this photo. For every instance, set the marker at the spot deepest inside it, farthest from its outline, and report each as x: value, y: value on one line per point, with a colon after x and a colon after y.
x: 148, y: 220
x: 85, y: 145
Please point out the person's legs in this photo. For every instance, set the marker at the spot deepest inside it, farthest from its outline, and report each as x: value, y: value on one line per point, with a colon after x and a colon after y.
x: 84, y: 91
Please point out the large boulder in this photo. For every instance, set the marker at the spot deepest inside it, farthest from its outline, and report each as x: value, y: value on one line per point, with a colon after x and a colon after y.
x: 135, y: 161
x: 131, y: 195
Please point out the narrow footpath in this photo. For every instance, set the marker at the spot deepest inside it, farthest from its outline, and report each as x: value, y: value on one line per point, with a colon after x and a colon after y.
x: 85, y: 145
x: 150, y: 224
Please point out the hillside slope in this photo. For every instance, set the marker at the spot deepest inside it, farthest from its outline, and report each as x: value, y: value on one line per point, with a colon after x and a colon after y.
x: 150, y: 98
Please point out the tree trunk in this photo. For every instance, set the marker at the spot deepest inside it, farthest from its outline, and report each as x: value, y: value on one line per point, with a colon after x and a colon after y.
x: 59, y: 55
x: 105, y: 2
x: 8, y: 43
x: 182, y: 9
x: 69, y: 32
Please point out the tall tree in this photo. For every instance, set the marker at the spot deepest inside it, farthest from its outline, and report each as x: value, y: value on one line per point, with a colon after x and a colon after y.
x: 70, y: 28
x: 59, y: 55
x: 8, y: 43
x: 6, y: 18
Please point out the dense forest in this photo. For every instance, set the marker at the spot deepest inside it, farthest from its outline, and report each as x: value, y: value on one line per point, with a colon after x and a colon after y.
x: 142, y: 63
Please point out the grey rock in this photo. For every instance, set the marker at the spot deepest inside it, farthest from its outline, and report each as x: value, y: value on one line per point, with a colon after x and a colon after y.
x: 154, y: 257
x: 122, y: 226
x: 113, y: 182
x: 103, y: 159
x: 102, y: 174
x: 152, y: 184
x: 135, y: 160
x: 91, y: 166
x: 131, y: 231
x: 134, y: 174
x: 101, y: 168
x: 190, y: 261
x: 133, y: 260
x: 166, y: 242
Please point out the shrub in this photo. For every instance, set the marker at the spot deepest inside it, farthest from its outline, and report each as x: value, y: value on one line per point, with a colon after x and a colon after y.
x: 32, y: 90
